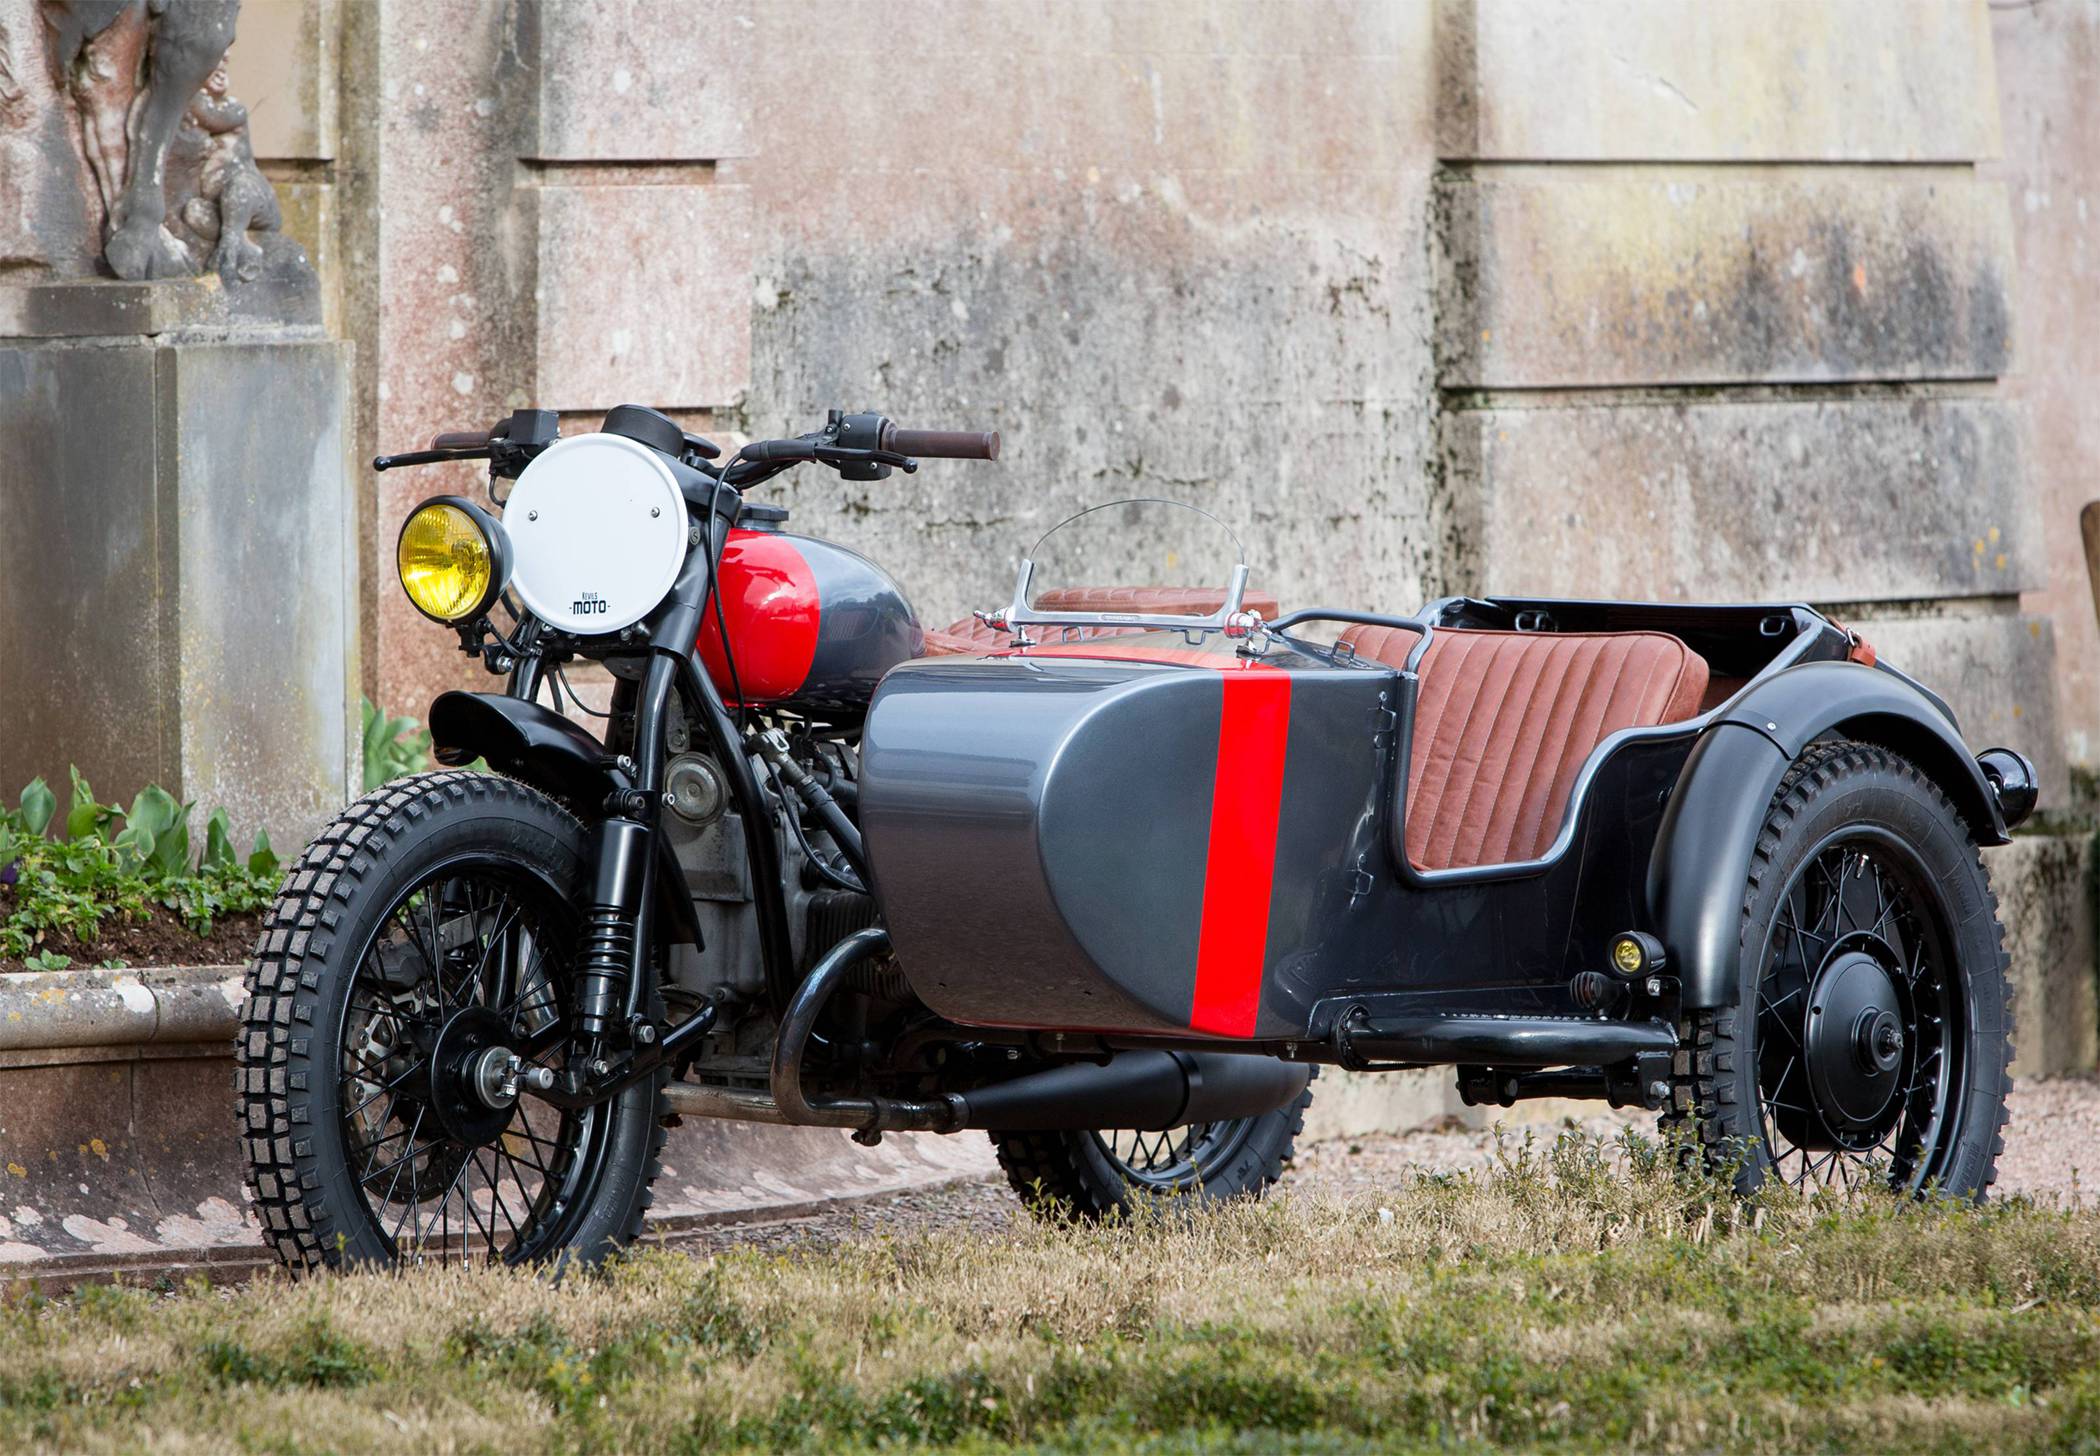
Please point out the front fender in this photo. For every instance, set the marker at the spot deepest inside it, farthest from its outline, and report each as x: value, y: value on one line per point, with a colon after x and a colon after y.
x: 527, y: 741
x: 1701, y: 861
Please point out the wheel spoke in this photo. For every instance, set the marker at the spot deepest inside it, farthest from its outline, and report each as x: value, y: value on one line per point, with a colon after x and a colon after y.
x: 462, y: 953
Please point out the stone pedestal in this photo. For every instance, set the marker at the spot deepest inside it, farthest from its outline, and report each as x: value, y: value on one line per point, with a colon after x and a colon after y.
x: 177, y: 550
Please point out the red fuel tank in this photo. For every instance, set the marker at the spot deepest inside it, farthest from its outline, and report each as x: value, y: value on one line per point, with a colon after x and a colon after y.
x: 812, y: 625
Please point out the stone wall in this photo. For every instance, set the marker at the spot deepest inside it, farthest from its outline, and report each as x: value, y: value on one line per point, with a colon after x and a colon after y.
x: 1719, y: 321
x: 1174, y: 250
x: 532, y: 204
x: 2048, y: 65
x: 1619, y: 297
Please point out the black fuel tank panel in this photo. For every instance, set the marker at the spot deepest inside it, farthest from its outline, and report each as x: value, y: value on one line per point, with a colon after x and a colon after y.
x: 813, y: 625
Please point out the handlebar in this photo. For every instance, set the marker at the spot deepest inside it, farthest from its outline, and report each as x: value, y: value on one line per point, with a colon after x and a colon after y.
x: 778, y: 450
x: 943, y: 444
x: 858, y: 446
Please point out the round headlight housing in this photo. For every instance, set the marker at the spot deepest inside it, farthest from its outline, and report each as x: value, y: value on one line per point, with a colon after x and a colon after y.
x: 454, y: 559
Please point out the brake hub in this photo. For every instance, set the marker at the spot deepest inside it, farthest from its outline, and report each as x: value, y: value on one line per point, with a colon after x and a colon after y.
x: 1854, y: 1045
x: 473, y: 1076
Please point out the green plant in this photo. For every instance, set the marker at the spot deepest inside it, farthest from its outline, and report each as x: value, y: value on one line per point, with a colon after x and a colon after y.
x: 109, y: 861
x: 394, y: 746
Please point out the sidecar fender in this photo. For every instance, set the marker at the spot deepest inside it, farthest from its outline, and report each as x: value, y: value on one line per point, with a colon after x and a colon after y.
x: 1701, y: 860
x: 527, y: 741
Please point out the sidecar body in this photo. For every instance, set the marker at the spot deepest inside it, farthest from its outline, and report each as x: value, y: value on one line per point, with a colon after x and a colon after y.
x: 1405, y: 844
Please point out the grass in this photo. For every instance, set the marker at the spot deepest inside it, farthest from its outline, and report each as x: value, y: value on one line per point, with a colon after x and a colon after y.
x: 1574, y: 1298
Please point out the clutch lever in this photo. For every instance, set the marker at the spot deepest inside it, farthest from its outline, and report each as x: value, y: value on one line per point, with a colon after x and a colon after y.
x: 430, y: 457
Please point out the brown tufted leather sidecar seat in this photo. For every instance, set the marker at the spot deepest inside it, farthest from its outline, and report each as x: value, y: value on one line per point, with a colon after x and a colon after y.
x: 1504, y: 721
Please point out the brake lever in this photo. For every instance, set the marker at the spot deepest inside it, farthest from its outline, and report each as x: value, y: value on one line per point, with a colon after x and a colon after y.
x: 430, y: 457
x: 837, y: 455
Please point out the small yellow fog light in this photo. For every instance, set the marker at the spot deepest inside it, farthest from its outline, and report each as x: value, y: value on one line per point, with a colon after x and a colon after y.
x: 454, y: 559
x: 1636, y: 953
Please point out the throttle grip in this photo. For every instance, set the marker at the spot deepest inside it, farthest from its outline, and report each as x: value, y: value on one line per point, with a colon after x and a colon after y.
x: 462, y: 439
x: 943, y: 444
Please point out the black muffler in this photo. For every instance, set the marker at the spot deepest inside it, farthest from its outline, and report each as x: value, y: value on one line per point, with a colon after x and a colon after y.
x: 1144, y: 1091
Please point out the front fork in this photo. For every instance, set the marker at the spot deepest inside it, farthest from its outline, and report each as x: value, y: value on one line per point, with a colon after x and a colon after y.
x: 616, y: 982
x: 615, y: 978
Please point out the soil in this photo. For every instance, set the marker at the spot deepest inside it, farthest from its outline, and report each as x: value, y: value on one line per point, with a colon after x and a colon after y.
x: 160, y: 940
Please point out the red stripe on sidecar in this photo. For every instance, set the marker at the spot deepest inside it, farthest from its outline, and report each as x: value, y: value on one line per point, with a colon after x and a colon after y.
x: 1246, y: 800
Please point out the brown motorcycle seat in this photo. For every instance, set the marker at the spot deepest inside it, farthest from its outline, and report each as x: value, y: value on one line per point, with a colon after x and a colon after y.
x: 971, y: 635
x: 1505, y: 720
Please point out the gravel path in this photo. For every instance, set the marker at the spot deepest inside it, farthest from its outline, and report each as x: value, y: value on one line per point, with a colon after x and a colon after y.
x: 2052, y: 1149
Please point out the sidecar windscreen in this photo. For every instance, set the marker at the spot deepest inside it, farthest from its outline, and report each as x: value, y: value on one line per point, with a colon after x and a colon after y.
x: 1147, y: 558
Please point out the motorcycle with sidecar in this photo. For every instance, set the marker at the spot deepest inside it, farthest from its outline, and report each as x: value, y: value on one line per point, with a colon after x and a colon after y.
x: 1106, y: 873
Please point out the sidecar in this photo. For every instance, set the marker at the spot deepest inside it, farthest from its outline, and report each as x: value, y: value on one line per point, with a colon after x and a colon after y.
x: 1516, y: 836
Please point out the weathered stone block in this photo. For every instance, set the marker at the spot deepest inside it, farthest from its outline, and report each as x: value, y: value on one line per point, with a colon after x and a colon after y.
x: 1996, y: 672
x: 1832, y: 501
x: 80, y: 309
x: 1627, y: 276
x: 177, y: 573
x: 644, y: 296
x: 637, y: 80
x: 1737, y: 81
x: 2045, y: 901
x: 1359, y: 1104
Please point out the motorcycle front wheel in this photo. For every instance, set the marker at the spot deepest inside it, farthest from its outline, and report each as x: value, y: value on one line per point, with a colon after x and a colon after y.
x: 1095, y: 1175
x: 415, y: 970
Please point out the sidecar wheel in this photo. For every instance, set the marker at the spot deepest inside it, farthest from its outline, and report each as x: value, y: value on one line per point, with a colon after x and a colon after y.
x: 1093, y: 1175
x: 424, y: 937
x: 1869, y: 1042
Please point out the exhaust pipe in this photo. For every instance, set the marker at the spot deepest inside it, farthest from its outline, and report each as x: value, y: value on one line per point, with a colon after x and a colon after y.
x: 1144, y: 1091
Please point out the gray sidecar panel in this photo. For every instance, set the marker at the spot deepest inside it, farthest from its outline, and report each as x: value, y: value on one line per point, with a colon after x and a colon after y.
x: 1082, y: 843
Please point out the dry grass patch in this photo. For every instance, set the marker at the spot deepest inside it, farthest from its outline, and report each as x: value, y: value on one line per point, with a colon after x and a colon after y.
x: 1575, y: 1297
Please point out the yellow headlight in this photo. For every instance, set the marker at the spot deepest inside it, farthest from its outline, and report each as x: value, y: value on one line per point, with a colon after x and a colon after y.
x: 1627, y: 955
x: 450, y: 559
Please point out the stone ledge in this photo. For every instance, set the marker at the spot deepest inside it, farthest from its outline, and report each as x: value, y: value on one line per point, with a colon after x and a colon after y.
x: 118, y: 1010
x: 1556, y: 277
x: 113, y: 308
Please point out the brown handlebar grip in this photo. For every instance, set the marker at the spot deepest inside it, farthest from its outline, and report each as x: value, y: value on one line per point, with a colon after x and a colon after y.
x: 944, y: 444
x: 461, y: 440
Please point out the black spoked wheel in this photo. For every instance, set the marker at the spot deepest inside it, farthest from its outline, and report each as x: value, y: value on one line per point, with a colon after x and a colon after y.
x: 1173, y: 1160
x: 411, y: 992
x: 1091, y: 1175
x: 1869, y: 1044
x: 452, y: 1014
x: 1860, y: 1044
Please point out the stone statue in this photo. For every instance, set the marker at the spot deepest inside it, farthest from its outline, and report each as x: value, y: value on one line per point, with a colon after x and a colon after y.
x: 166, y: 145
x: 232, y: 196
